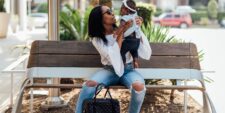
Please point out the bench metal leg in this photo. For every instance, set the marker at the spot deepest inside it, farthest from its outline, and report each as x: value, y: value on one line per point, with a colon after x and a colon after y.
x: 11, y: 95
x: 210, y: 102
x: 185, y: 99
x: 207, y: 101
x: 31, y: 97
x: 18, y: 104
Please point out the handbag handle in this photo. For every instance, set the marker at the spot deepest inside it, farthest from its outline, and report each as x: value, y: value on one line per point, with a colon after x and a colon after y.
x: 98, y: 90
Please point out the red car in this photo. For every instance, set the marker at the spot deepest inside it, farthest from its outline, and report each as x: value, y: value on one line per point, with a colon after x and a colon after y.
x: 174, y: 20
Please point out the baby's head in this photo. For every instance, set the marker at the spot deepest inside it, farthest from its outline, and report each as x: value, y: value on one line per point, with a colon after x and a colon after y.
x: 128, y: 7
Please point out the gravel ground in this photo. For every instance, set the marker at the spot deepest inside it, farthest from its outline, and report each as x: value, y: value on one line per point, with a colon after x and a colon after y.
x: 155, y: 102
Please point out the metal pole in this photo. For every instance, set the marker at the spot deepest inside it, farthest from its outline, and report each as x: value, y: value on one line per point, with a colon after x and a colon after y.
x: 12, y: 12
x: 23, y: 14
x: 11, y: 95
x: 185, y: 98
x: 53, y: 29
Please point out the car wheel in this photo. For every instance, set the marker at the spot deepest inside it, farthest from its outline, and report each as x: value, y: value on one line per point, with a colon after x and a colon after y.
x: 183, y: 25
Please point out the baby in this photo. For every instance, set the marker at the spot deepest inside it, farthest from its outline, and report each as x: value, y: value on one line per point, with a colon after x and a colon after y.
x: 132, y: 35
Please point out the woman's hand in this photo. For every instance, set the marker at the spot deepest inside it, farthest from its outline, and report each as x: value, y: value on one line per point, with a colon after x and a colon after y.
x: 139, y: 20
x: 118, y: 34
x: 122, y: 28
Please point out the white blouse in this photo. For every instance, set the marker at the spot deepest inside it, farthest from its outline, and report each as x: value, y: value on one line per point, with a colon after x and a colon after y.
x: 110, y: 52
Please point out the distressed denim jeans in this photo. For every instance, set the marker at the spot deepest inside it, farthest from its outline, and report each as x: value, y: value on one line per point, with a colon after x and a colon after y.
x: 108, y: 77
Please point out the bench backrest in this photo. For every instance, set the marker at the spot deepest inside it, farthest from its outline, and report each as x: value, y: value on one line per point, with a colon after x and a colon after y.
x: 83, y: 54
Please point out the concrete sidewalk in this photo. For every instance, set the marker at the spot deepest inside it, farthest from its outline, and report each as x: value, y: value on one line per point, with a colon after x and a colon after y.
x: 9, y: 55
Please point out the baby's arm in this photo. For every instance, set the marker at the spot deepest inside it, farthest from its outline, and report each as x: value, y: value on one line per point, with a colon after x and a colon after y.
x: 120, y: 30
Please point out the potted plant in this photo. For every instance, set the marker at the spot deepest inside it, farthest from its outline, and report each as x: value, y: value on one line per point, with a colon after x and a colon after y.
x: 4, y: 20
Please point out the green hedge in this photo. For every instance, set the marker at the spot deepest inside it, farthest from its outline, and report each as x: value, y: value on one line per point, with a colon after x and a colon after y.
x: 198, y: 15
x: 221, y: 16
x: 146, y: 11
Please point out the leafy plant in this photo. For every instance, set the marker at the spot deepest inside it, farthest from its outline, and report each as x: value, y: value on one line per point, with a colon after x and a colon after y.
x: 43, y: 8
x: 196, y: 17
x: 73, y: 25
x: 158, y: 34
x: 2, y: 8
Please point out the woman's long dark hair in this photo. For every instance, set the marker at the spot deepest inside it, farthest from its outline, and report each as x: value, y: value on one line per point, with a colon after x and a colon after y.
x: 95, y: 24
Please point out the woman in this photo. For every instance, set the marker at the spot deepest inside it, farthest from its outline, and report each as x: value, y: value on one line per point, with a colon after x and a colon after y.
x: 107, y: 39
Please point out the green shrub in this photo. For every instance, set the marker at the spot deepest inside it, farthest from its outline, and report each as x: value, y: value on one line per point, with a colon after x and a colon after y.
x: 158, y: 34
x: 146, y: 11
x: 204, y: 21
x: 2, y: 8
x: 212, y: 9
x: 158, y: 12
x: 221, y: 16
x: 198, y: 15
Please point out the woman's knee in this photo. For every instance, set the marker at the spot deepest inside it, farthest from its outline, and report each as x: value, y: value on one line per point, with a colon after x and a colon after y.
x: 91, y: 83
x: 138, y: 86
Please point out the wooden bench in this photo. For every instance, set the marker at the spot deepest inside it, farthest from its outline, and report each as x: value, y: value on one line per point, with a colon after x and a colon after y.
x: 74, y: 59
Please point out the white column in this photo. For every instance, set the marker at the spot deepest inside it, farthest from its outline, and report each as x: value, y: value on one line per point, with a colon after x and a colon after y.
x: 23, y: 14
x: 7, y: 6
x: 12, y: 5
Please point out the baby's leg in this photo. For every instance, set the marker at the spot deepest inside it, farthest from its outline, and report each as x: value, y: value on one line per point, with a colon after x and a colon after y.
x: 134, y: 54
x: 124, y: 49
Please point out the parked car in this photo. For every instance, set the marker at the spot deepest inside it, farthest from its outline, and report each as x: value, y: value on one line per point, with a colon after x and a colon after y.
x: 185, y: 9
x: 39, y: 19
x: 174, y: 20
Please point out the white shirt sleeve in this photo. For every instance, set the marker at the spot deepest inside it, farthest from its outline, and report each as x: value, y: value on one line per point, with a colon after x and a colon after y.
x: 111, y: 52
x: 144, y: 50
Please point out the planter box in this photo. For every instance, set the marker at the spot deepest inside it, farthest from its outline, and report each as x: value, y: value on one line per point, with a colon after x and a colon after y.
x: 4, y: 23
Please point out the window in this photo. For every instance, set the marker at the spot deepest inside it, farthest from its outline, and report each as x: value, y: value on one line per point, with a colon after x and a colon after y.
x: 168, y: 16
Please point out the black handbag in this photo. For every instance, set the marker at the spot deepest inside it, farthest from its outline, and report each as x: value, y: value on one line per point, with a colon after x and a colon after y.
x: 101, y: 105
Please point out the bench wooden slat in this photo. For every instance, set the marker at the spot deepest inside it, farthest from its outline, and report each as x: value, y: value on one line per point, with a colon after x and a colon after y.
x: 45, y: 60
x: 86, y: 48
x: 149, y: 87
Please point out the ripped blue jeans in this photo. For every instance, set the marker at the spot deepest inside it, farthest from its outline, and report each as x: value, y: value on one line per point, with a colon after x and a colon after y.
x: 108, y: 77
